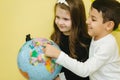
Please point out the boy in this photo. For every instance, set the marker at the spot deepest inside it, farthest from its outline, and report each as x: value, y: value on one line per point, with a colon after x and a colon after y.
x: 104, y: 58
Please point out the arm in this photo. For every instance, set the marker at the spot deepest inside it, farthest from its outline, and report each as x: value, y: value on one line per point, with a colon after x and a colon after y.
x: 66, y: 61
x: 102, y: 56
x: 98, y: 59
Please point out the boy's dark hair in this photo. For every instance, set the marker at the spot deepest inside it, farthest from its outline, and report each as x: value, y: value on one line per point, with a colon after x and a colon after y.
x: 110, y: 10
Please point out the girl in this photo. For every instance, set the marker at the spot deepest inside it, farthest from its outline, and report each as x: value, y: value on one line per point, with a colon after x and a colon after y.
x: 70, y: 33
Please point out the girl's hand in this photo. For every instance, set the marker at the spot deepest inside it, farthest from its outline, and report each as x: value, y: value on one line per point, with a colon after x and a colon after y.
x: 51, y: 51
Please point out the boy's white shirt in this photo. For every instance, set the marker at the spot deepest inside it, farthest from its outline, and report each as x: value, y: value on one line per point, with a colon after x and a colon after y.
x: 103, y: 62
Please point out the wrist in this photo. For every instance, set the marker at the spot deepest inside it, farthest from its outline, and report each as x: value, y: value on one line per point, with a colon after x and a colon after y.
x: 57, y: 53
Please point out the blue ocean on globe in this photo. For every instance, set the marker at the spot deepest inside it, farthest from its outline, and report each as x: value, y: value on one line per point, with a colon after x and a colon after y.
x: 32, y: 62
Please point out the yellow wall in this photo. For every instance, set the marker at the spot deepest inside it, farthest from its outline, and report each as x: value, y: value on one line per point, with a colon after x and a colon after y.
x: 17, y: 19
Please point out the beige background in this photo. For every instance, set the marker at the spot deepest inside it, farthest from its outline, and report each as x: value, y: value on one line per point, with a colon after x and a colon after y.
x: 17, y: 19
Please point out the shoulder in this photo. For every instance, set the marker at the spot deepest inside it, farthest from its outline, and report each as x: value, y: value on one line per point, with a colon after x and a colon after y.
x: 106, y: 45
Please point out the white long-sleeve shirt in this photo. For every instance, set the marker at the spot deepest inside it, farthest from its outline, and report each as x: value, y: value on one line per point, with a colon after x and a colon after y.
x: 103, y: 62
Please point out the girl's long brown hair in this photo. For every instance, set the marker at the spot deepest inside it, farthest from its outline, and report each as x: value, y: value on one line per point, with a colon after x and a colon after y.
x: 79, y: 28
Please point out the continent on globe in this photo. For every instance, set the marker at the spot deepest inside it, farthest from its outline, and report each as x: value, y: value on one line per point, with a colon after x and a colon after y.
x: 32, y: 62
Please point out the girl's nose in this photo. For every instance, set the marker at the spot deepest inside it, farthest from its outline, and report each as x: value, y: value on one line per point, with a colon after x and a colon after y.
x: 60, y: 21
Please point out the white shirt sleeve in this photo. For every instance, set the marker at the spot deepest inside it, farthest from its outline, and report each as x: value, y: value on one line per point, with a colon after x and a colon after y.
x: 102, y: 57
x: 86, y: 68
x: 71, y: 64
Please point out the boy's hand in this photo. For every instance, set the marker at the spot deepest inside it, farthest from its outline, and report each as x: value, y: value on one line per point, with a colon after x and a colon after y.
x: 51, y: 51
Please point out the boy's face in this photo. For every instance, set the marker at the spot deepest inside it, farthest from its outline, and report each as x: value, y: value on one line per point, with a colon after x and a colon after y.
x: 96, y: 27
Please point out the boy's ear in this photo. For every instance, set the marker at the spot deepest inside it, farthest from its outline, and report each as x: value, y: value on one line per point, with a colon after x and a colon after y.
x: 110, y: 25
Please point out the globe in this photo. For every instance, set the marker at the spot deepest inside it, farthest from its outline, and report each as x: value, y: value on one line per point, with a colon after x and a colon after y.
x: 32, y: 62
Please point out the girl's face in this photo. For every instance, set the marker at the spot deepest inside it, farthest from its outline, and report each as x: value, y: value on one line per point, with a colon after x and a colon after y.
x: 63, y: 20
x: 96, y: 27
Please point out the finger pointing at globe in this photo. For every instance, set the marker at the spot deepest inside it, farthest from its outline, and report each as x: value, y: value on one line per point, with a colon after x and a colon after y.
x: 51, y: 51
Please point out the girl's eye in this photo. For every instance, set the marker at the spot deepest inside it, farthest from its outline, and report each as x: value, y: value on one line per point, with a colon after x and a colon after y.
x: 93, y: 19
x: 66, y: 19
x: 57, y: 17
